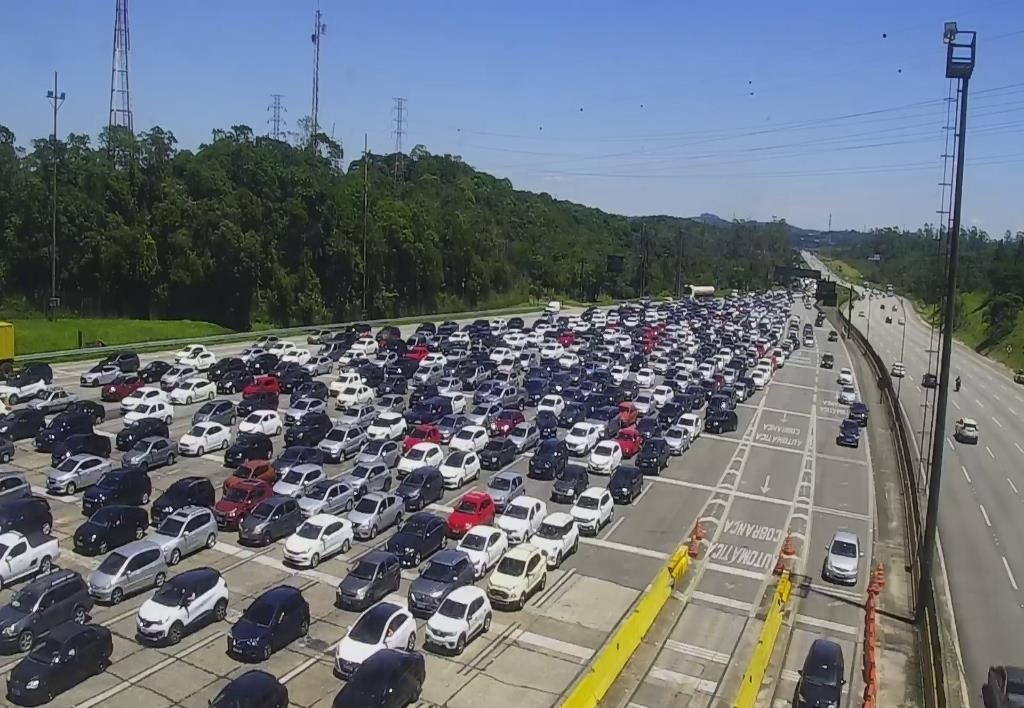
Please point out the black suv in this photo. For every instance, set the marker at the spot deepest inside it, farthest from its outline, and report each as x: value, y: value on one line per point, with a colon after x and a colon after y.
x: 34, y: 372
x: 131, y: 433
x: 61, y: 428
x: 22, y: 424
x: 187, y: 491
x: 111, y: 527
x: 570, y: 483
x: 273, y: 620
x: 127, y: 485
x: 89, y: 443
x: 421, y: 535
x: 225, y: 365
x: 45, y: 603
x: 71, y: 653
x: 822, y: 678
x: 27, y: 515
x: 249, y: 446
x: 653, y: 457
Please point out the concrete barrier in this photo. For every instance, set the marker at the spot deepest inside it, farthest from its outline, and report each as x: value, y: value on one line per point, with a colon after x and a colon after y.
x: 594, y: 682
x: 746, y: 697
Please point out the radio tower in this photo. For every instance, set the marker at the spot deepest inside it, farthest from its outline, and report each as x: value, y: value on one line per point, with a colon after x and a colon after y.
x: 276, y: 121
x: 399, y: 120
x: 319, y: 30
x: 120, y: 98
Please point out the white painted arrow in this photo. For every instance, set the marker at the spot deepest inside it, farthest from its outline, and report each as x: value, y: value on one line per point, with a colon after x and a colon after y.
x: 765, y: 487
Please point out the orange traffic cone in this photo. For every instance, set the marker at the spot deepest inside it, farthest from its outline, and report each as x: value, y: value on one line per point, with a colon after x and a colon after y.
x: 780, y: 566
x: 788, y: 547
x: 698, y: 531
x: 694, y: 550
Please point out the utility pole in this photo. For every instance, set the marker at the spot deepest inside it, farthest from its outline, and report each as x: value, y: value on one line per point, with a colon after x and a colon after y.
x: 400, y: 120
x: 643, y: 258
x: 366, y: 197
x: 679, y: 265
x: 319, y: 30
x: 57, y: 99
x: 960, y: 57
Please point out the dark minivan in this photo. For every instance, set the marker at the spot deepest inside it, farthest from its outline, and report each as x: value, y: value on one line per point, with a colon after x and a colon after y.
x: 821, y: 679
x: 273, y: 620
x: 390, y: 678
x: 22, y: 424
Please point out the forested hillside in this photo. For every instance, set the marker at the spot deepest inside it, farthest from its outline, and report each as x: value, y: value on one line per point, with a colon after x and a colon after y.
x: 248, y: 228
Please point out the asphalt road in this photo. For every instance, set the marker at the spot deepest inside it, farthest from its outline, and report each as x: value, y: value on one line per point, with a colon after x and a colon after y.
x: 981, y: 507
x: 781, y: 472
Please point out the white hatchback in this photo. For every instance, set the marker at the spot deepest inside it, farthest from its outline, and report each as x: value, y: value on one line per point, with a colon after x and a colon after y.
x: 463, y: 615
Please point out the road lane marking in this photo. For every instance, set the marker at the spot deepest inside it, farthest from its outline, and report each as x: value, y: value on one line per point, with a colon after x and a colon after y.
x: 985, y: 515
x: 601, y: 543
x: 719, y: 600
x: 827, y: 624
x: 1019, y: 448
x: 1009, y: 573
x: 967, y: 476
x: 715, y: 657
x: 950, y: 441
x: 841, y: 512
x: 990, y: 453
x: 996, y: 397
x: 674, y: 677
x: 996, y: 421
x: 1012, y: 412
x: 641, y: 495
x: 67, y: 499
x: 730, y: 570
x: 980, y: 404
x: 1012, y: 485
x: 955, y: 404
x: 610, y: 529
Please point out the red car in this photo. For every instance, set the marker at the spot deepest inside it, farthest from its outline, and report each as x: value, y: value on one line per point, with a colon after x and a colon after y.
x: 122, y: 387
x: 628, y: 413
x: 630, y: 440
x: 260, y: 470
x: 506, y: 420
x: 422, y: 433
x: 417, y: 353
x: 475, y: 508
x: 262, y: 384
x: 567, y: 338
x: 239, y: 500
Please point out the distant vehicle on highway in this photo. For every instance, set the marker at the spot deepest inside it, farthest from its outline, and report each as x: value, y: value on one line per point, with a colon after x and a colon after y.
x: 966, y: 431
x: 898, y: 370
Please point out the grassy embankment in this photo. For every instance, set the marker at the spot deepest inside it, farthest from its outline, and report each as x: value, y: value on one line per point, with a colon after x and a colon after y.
x: 973, y: 331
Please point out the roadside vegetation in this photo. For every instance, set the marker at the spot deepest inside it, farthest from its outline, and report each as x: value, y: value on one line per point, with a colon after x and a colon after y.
x: 34, y: 335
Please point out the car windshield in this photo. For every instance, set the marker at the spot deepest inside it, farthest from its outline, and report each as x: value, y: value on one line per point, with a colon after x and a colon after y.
x: 294, y: 476
x: 309, y: 530
x: 473, y: 542
x: 821, y: 675
x: 517, y: 511
x: 263, y: 511
x: 511, y: 566
x: 169, y: 594
x: 261, y: 613
x: 674, y: 434
x: 169, y: 527
x: 547, y: 530
x: 587, y: 502
x: 465, y: 434
x: 844, y: 548
x: 438, y: 572
x: 502, y: 483
x: 369, y: 628
x: 67, y: 465
x: 45, y: 652
x: 367, y: 506
x: 451, y: 608
x: 416, y: 453
x: 233, y: 494
x: 480, y: 410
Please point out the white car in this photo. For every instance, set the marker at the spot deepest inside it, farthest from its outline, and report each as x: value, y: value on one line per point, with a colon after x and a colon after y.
x: 619, y: 373
x: 552, y: 350
x: 499, y: 353
x: 552, y: 402
x: 845, y: 377
x: 188, y: 392
x: 463, y: 615
x: 388, y: 425
x: 458, y: 401
x: 662, y: 395
x: 460, y: 467
x: 189, y: 351
x: 146, y: 394
x: 281, y: 347
x: 345, y: 379
x: 605, y: 458
x: 318, y: 537
x: 760, y: 379
x: 644, y: 403
x: 99, y: 375
x: 266, y: 422
x: 386, y: 625
x: 693, y: 424
x: 582, y: 438
x: 183, y: 603
x: 644, y: 377
x: 485, y: 545
x: 460, y: 337
x: 12, y: 394
x: 433, y: 359
x: 201, y: 361
x: 204, y: 437
x: 298, y: 356
x: 319, y: 365
x: 847, y: 395
x: 519, y: 575
x: 569, y: 360
x: 593, y: 509
x: 160, y: 410
x: 422, y: 454
x: 22, y: 556
x: 472, y: 438
x: 521, y: 518
x: 364, y: 346
x: 354, y: 396
x: 558, y: 537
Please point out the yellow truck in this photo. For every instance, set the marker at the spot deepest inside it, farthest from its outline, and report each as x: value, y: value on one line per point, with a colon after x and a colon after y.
x: 6, y: 349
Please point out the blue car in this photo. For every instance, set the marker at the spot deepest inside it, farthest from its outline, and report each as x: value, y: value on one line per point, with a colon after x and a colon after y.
x: 849, y: 433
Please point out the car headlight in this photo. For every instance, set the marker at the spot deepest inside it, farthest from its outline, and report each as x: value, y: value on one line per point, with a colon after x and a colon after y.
x: 361, y: 592
x: 33, y: 684
x: 10, y: 630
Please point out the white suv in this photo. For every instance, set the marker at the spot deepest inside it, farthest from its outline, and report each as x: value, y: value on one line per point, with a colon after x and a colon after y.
x: 182, y: 604
x: 557, y: 538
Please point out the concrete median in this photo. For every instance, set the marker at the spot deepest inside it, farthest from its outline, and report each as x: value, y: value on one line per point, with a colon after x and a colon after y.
x: 753, y: 677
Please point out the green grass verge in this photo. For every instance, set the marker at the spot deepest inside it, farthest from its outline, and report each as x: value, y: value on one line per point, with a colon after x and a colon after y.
x: 33, y: 336
x: 844, y: 270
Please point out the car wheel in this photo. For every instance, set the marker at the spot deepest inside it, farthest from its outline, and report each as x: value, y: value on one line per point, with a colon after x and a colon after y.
x: 45, y: 565
x: 232, y: 420
x: 387, y: 484
x: 487, y: 624
x: 25, y: 640
x: 188, y: 401
x: 266, y: 652
x: 171, y: 459
x: 116, y: 595
x: 265, y: 539
x: 224, y: 445
x: 460, y: 644
x: 211, y: 540
x: 139, y: 533
x: 220, y: 610
x: 348, y: 505
x: 70, y: 488
x: 5, y: 458
x: 411, y: 644
x: 314, y: 560
x: 159, y: 579
x: 346, y: 546
x: 47, y: 527
x: 558, y: 559
x: 174, y: 633
x: 373, y: 531
x: 175, y: 557
x: 168, y: 420
x: 103, y: 547
x: 13, y: 400
x: 417, y: 559
x: 209, y: 397
x: 576, y: 545
x: 201, y: 451
x: 79, y: 616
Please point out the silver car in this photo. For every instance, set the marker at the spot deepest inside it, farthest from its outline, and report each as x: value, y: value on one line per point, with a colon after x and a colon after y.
x: 151, y: 452
x: 374, y: 513
x: 52, y: 400
x: 677, y: 438
x: 13, y: 484
x: 220, y: 411
x: 842, y: 558
x: 450, y: 384
x: 524, y: 436
x: 484, y: 414
x: 341, y: 443
x: 319, y: 365
x: 369, y: 477
x: 357, y: 416
x: 186, y: 531
x: 504, y: 487
x: 451, y: 424
x: 177, y: 374
x: 294, y: 414
x: 328, y: 496
x: 100, y: 375
x: 392, y: 402
x: 386, y: 451
x: 76, y: 472
x: 426, y: 375
x: 299, y: 479
x: 132, y: 568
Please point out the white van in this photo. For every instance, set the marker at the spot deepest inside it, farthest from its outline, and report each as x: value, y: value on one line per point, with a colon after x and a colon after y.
x: 553, y: 307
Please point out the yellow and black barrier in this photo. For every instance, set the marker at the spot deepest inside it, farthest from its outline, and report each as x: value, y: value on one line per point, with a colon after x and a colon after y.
x: 609, y: 662
x: 754, y: 675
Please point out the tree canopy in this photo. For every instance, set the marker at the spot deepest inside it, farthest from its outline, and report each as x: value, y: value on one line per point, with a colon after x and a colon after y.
x: 247, y: 228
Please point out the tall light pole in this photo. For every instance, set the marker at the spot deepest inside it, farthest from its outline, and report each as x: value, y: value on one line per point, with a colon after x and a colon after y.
x: 57, y: 99
x: 960, y: 55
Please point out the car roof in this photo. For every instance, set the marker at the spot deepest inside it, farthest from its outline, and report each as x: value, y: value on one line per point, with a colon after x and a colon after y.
x: 196, y: 575
x: 448, y: 556
x: 558, y: 518
x: 279, y: 593
x: 594, y: 492
x: 186, y: 511
x: 524, y: 500
x: 824, y: 651
x: 970, y: 421
x: 846, y: 537
x: 522, y: 552
x: 466, y: 594
x: 253, y: 681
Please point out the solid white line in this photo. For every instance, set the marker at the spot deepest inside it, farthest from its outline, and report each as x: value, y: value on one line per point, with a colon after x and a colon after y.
x: 950, y: 441
x: 674, y: 677
x: 716, y: 657
x: 841, y: 512
x: 730, y: 570
x: 641, y: 494
x: 985, y: 515
x: 723, y: 601
x: 990, y: 453
x: 996, y: 421
x: 980, y: 404
x: 601, y: 543
x: 544, y: 642
x: 1009, y: 574
x: 1012, y: 485
x: 610, y: 529
x: 827, y: 624
x: 67, y: 499
x: 967, y: 476
x: 791, y: 676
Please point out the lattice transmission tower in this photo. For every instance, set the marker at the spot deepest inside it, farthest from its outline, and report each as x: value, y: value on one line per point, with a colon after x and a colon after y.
x: 120, y: 95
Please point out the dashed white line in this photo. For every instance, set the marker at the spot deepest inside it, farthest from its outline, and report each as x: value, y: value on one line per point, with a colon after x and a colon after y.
x: 1009, y: 574
x: 980, y: 404
x: 1012, y: 485
x: 1012, y: 412
x: 955, y: 404
x: 950, y: 441
x: 996, y: 397
x: 990, y: 453
x: 966, y: 476
x: 985, y: 515
x: 1019, y: 448
x: 996, y: 421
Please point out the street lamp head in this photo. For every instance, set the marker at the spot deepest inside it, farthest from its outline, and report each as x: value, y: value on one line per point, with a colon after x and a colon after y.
x: 949, y: 32
x: 49, y: 94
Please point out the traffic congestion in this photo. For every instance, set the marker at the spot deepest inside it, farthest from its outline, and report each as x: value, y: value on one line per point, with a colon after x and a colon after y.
x: 401, y: 495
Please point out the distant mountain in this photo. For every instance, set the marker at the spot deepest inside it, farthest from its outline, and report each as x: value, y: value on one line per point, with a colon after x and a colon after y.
x: 802, y: 238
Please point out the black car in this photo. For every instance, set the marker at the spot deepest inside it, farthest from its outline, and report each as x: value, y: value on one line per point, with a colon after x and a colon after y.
x: 70, y: 654
x: 822, y: 678
x: 253, y: 689
x: 549, y: 459
x: 187, y: 491
x: 859, y: 412
x: 33, y: 372
x: 392, y: 384
x: 154, y: 371
x: 422, y: 486
x: 547, y: 424
x: 88, y: 443
x: 536, y: 389
x: 127, y: 362
x: 298, y: 455
x: 721, y: 422
x: 372, y: 374
x: 60, y: 428
x: 223, y: 366
x: 274, y: 619
x: 653, y: 456
x: 110, y: 527
x: 626, y: 484
x: 497, y: 453
x: 263, y: 401
x: 7, y: 450
x: 263, y: 363
x: 421, y: 535
x: 310, y: 431
x: 131, y: 433
x: 572, y: 414
x: 649, y: 426
x: 26, y: 515
x: 670, y: 412
x: 390, y: 678
x: 570, y: 483
x: 22, y: 424
x: 293, y: 378
x: 422, y: 393
x: 128, y: 485
x: 311, y: 389
x: 233, y: 381
x: 719, y: 403
x: 49, y: 601
x: 249, y: 446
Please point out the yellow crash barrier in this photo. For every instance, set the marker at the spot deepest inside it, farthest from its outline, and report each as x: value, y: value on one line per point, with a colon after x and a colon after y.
x: 754, y: 675
x: 612, y: 658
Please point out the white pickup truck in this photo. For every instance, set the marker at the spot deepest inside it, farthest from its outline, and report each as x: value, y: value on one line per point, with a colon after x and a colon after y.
x: 22, y: 556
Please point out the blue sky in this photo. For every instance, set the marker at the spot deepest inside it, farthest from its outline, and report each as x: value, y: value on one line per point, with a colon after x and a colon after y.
x: 638, y: 108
